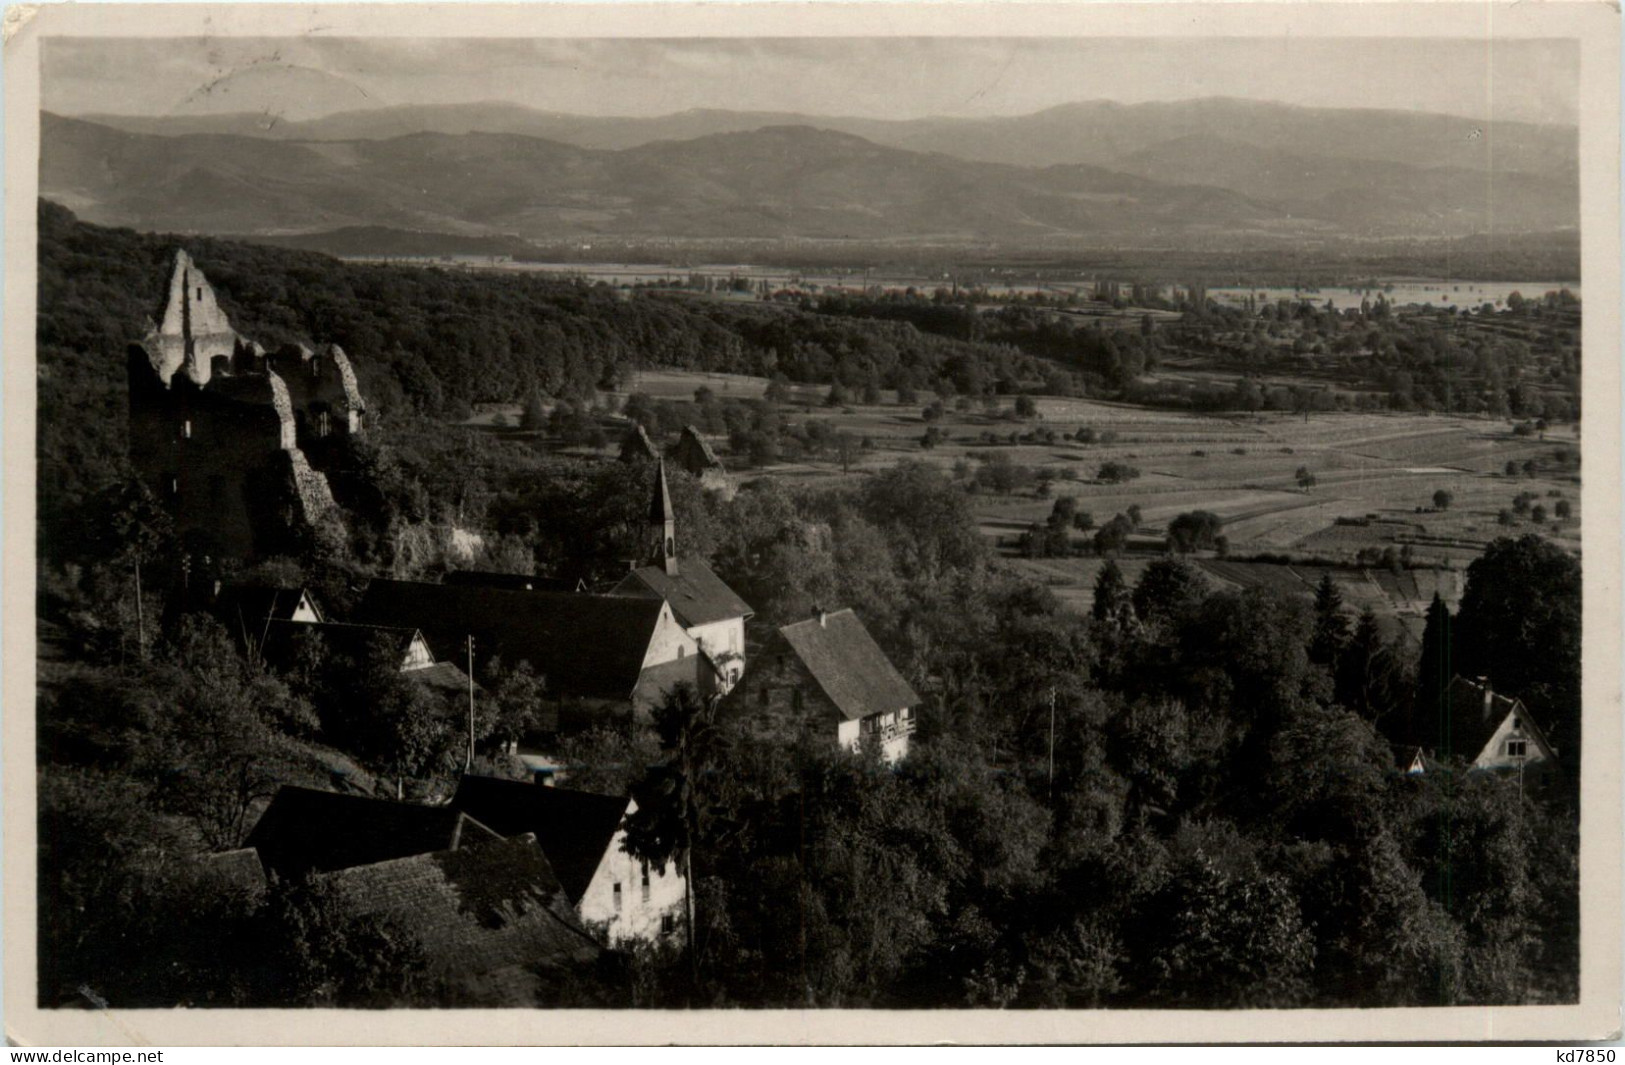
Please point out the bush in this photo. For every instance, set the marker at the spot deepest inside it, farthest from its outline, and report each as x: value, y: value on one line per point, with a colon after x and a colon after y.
x: 1116, y: 473
x: 1196, y: 530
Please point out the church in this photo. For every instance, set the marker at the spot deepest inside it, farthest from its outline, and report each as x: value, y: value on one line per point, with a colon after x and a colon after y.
x: 709, y: 611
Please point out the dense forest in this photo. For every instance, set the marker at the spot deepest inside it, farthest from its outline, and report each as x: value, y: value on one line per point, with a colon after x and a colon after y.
x: 1222, y: 823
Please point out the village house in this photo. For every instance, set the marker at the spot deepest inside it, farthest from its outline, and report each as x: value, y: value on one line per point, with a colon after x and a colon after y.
x: 827, y: 675
x: 1493, y: 731
x: 489, y: 913
x: 493, y: 923
x: 709, y: 611
x: 280, y: 642
x: 231, y: 439
x: 304, y: 831
x: 600, y: 657
x: 1487, y: 731
x: 619, y: 898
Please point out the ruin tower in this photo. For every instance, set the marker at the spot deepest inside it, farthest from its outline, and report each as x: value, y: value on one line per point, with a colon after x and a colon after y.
x: 218, y: 433
x: 663, y: 524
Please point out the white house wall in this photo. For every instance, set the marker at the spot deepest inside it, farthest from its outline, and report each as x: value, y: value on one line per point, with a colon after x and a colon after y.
x: 724, y: 641
x: 669, y: 642
x: 638, y: 919
x: 1494, y: 755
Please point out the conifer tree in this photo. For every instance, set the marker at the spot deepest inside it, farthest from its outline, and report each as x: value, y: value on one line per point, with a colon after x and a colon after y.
x: 1434, y: 670
x: 1111, y: 594
x: 1331, y: 626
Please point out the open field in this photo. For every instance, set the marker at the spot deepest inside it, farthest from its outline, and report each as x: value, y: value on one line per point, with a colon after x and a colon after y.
x: 1375, y: 475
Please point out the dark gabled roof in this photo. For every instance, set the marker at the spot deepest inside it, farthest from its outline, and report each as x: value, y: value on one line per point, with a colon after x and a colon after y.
x: 486, y: 916
x: 696, y: 594
x: 513, y: 582
x: 352, y: 641
x: 574, y: 828
x: 237, y: 871
x: 244, y: 609
x: 443, y: 677
x: 1473, y: 718
x: 581, y: 644
x: 637, y: 447
x: 305, y: 830
x: 848, y: 665
x: 693, y: 454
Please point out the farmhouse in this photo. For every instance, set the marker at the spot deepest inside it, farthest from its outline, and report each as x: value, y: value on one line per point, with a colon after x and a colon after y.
x: 827, y: 675
x: 1492, y: 731
x: 597, y: 655
x: 708, y: 610
x: 618, y: 897
x: 493, y: 923
x: 304, y: 831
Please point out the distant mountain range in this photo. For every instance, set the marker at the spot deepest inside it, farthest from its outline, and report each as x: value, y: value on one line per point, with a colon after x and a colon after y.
x: 1200, y: 171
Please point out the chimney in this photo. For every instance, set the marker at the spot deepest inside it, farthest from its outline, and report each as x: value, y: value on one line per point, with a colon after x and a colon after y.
x: 823, y: 616
x: 1489, y: 695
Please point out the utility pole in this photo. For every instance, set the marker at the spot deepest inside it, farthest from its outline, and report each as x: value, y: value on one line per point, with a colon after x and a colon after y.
x: 140, y: 618
x: 1052, y: 743
x: 469, y: 768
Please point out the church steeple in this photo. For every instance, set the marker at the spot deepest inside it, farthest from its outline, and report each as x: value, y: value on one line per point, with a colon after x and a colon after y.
x: 663, y: 523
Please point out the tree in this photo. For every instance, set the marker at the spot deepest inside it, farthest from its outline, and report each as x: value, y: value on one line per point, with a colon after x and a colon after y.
x: 1116, y: 473
x: 1195, y: 530
x: 1304, y: 478
x: 1563, y: 510
x: 1442, y: 500
x: 1367, y: 673
x: 1519, y: 625
x: 1331, y: 626
x: 1168, y: 592
x: 1113, y: 536
x: 534, y: 418
x: 1111, y: 603
x: 1537, y: 514
x: 670, y: 814
x: 1026, y: 407
x: 1435, y: 668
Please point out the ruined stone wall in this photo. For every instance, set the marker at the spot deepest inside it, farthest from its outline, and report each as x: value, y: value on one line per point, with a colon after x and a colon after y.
x: 219, y: 443
x: 194, y: 330
x: 322, y: 387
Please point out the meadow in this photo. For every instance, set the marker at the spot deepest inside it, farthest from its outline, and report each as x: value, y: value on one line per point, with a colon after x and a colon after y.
x: 1375, y: 476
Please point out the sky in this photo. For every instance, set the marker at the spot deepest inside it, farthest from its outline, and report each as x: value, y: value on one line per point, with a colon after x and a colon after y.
x: 301, y: 78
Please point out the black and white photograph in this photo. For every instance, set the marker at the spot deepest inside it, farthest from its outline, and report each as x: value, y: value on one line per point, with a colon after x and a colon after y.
x: 687, y: 517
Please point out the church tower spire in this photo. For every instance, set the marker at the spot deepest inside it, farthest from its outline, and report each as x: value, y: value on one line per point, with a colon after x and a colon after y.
x: 663, y: 523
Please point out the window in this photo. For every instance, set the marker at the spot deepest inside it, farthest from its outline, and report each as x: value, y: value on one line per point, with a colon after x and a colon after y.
x: 1517, y: 748
x: 200, y: 295
x: 671, y: 547
x: 323, y: 427
x: 681, y: 653
x: 668, y: 924
x: 1517, y: 724
x: 646, y: 885
x: 617, y: 894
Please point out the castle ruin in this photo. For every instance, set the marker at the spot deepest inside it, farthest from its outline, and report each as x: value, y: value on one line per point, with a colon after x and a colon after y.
x: 232, y: 438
